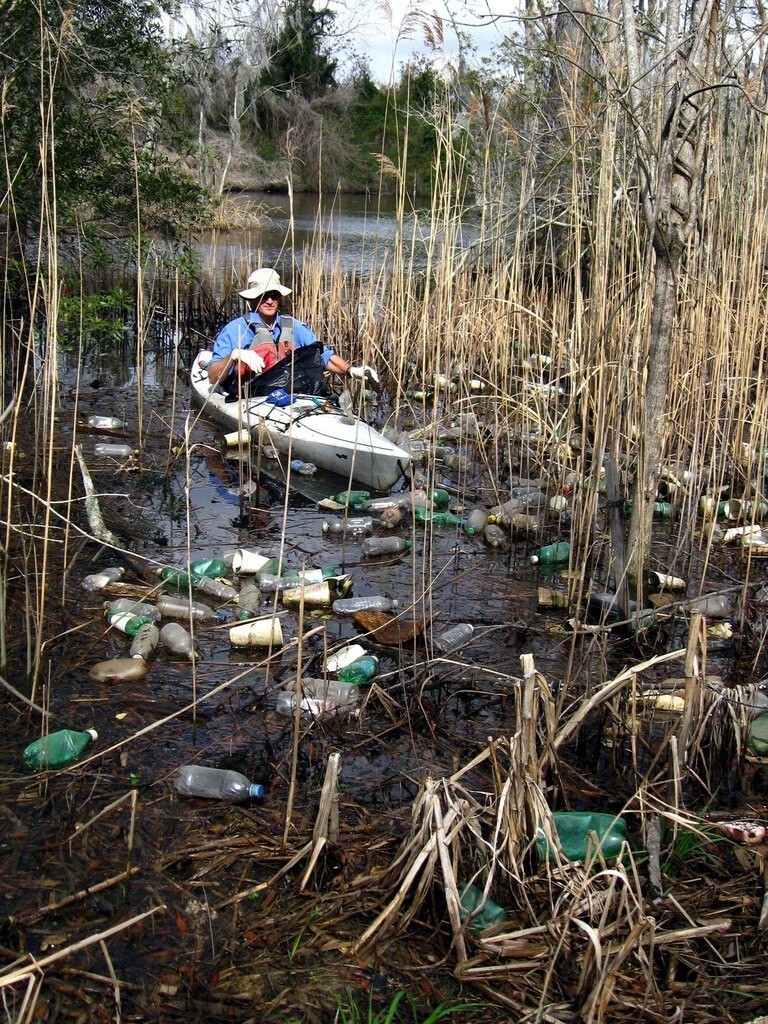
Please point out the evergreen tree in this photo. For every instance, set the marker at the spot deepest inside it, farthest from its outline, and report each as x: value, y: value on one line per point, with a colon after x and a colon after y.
x: 298, y: 61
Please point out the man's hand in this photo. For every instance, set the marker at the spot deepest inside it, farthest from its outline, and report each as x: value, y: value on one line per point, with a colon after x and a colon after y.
x: 252, y: 360
x: 364, y: 373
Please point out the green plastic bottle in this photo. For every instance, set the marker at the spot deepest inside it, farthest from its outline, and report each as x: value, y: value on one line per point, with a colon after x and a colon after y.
x: 573, y: 831
x: 470, y: 898
x: 126, y: 622
x: 213, y: 567
x: 426, y: 515
x: 179, y: 578
x: 360, y: 671
x: 758, y: 735
x: 58, y: 748
x: 663, y: 509
x: 552, y: 553
x: 439, y: 497
x: 352, y: 498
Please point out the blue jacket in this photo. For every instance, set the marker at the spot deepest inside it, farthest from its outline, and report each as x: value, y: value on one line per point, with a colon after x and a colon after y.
x: 238, y: 334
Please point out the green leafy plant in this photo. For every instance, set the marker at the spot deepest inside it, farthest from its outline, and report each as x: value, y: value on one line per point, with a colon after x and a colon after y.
x: 351, y: 1012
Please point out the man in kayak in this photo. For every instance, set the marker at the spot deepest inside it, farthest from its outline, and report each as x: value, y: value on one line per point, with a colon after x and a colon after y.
x: 249, y: 345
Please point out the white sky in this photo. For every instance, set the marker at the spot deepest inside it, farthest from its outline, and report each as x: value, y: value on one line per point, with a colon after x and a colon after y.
x: 387, y: 34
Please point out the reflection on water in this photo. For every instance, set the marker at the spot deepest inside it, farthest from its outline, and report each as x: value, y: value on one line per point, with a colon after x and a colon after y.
x: 349, y: 232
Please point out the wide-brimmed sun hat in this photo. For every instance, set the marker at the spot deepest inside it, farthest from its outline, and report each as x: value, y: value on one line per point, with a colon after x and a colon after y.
x: 264, y: 280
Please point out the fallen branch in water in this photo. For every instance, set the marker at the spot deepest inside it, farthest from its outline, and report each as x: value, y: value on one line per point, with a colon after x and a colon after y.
x: 92, y: 508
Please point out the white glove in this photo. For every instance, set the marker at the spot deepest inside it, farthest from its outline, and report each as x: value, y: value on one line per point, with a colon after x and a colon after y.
x: 363, y: 373
x: 252, y: 360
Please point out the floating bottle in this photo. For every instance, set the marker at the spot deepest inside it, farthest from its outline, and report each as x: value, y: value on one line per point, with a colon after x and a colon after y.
x: 102, y: 579
x: 352, y: 498
x: 494, y: 536
x: 217, y: 588
x: 523, y: 522
x: 106, y: 423
x: 126, y: 622
x: 551, y: 554
x: 475, y: 522
x: 173, y: 607
x: 215, y: 568
x: 346, y: 527
x: 382, y: 504
x: 713, y: 606
x: 58, y: 748
x: 145, y: 642
x: 455, y: 637
x: 482, y: 913
x: 360, y: 671
x: 179, y: 578
x: 303, y: 468
x: 215, y: 784
x: 426, y: 515
x: 319, y: 698
x: 574, y: 829
x: 374, y: 603
x: 119, y: 670
x: 128, y: 604
x: 390, y: 518
x: 345, y: 656
x: 177, y: 640
x: 249, y: 598
x: 373, y: 546
x: 271, y: 584
x: 114, y: 450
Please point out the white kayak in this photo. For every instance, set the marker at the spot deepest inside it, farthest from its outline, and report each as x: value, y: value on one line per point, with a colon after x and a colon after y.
x: 310, y: 429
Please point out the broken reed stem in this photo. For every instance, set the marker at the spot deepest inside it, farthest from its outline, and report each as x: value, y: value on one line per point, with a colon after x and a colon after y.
x: 29, y: 917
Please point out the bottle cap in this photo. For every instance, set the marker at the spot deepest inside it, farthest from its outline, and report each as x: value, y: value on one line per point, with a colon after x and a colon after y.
x: 256, y: 791
x: 94, y: 735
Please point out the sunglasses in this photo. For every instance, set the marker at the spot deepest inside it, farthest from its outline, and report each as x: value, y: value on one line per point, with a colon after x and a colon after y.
x: 270, y: 295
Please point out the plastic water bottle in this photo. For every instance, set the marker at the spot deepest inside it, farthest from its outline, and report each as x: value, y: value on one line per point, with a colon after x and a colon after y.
x: 374, y: 603
x: 215, y: 784
x: 100, y: 580
x: 373, y: 546
x: 426, y: 515
x: 126, y: 622
x: 360, y: 671
x: 382, y: 504
x: 58, y: 748
x: 114, y: 450
x: 128, y: 604
x: 475, y: 522
x: 303, y: 468
x: 550, y: 554
x: 455, y: 637
x: 177, y: 640
x: 347, y: 527
x: 319, y: 698
x: 217, y: 588
x: 390, y: 518
x: 495, y: 536
x: 145, y: 642
x: 268, y: 583
x: 173, y: 607
x: 106, y: 423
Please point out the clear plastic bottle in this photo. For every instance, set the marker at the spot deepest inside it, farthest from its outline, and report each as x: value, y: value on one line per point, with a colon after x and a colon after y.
x: 58, y: 748
x: 374, y: 603
x: 217, y: 588
x: 145, y: 642
x: 319, y: 697
x: 475, y: 522
x: 102, y: 579
x: 173, y: 607
x: 390, y: 518
x: 348, y: 527
x: 495, y: 536
x: 303, y: 468
x: 177, y: 640
x: 373, y: 546
x: 113, y: 450
x: 268, y: 583
x: 249, y: 598
x: 551, y: 554
x: 215, y: 784
x: 106, y: 423
x: 128, y: 604
x: 126, y: 622
x: 360, y: 671
x: 455, y: 637
x: 381, y: 504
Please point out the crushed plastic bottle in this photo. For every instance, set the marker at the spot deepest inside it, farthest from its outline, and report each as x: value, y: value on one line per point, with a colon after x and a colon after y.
x: 128, y: 604
x: 454, y: 638
x: 106, y: 423
x: 215, y: 784
x: 102, y: 579
x: 374, y: 603
x: 374, y: 546
x: 573, y: 831
x: 177, y: 640
x: 303, y: 468
x: 58, y: 748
